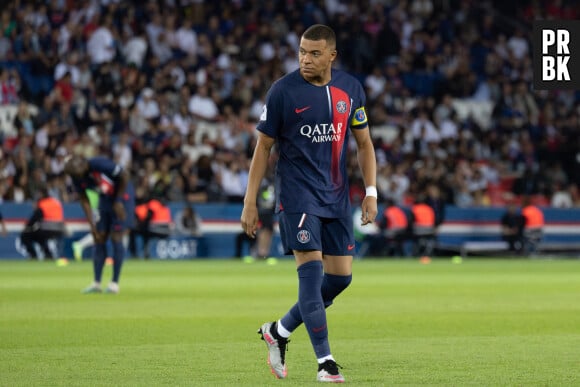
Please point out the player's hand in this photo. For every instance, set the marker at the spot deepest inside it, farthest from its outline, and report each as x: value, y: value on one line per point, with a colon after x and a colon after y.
x: 119, y: 210
x: 249, y: 220
x: 369, y: 210
x: 98, y: 237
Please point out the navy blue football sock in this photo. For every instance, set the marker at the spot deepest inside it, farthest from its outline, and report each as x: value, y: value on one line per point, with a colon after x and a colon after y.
x: 118, y: 256
x: 99, y: 260
x: 312, y: 307
x: 332, y: 286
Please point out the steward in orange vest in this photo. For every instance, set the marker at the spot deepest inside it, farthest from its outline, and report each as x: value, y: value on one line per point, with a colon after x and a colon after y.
x: 423, y: 228
x: 45, y: 223
x: 153, y: 221
x: 395, y: 226
x: 533, y: 226
x: 423, y: 216
x: 534, y: 217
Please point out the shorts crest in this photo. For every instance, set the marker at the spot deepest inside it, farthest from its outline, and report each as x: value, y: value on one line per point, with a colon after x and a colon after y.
x: 303, y: 236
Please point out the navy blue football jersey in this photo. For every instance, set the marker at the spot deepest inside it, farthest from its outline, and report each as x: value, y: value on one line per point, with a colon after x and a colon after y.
x: 311, y: 125
x: 102, y: 177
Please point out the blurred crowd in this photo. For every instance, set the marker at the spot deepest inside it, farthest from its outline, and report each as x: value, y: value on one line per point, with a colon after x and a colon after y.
x: 172, y: 90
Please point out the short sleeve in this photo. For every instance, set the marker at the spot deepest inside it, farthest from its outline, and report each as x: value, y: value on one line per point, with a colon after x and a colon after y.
x: 272, y: 114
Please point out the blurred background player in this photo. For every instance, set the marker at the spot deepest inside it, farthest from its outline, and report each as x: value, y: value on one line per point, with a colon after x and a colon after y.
x: 45, y: 224
x: 116, y: 201
x: 263, y: 243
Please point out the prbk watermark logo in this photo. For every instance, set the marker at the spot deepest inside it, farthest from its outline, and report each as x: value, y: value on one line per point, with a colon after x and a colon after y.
x: 556, y: 54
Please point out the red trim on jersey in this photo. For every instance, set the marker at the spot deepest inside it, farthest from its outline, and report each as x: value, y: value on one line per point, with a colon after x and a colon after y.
x: 338, y: 95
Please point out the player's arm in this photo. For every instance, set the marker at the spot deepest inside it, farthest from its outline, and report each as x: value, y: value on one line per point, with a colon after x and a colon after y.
x: 368, y: 165
x: 257, y: 172
x: 122, y: 180
x: 87, y: 209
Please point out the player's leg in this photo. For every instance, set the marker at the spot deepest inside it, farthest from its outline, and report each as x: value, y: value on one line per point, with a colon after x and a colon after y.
x: 338, y: 239
x: 147, y: 236
x: 119, y: 228
x: 27, y: 239
x: 118, y: 258
x: 80, y: 245
x: 338, y: 245
x: 269, y: 331
x: 42, y: 238
x: 103, y: 226
x: 309, y: 308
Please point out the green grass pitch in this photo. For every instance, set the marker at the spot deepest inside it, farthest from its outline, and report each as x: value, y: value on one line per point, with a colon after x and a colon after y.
x: 193, y: 323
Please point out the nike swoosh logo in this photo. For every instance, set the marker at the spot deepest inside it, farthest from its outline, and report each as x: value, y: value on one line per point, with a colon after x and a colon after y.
x: 350, y: 247
x: 300, y: 110
x: 319, y: 329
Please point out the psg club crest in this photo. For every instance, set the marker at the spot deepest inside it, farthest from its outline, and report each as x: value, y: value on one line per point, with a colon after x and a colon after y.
x: 303, y: 236
x: 341, y: 106
x: 360, y: 115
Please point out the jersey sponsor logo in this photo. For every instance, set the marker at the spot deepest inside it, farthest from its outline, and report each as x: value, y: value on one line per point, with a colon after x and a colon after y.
x: 341, y: 106
x: 322, y: 132
x: 303, y: 236
x: 360, y: 117
x: 300, y: 110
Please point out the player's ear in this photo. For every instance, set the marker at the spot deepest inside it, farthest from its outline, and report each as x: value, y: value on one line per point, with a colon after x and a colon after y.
x: 333, y: 54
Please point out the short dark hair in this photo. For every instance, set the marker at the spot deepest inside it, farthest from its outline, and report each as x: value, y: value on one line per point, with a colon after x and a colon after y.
x: 320, y: 32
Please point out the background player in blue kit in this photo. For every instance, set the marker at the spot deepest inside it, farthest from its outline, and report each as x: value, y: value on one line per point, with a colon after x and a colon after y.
x: 310, y: 114
x: 114, y: 215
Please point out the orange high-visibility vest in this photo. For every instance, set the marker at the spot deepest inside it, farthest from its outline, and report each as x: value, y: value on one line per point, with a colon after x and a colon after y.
x: 534, y: 216
x: 396, y: 218
x: 424, y: 215
x: 141, y: 212
x: 51, y: 210
x: 161, y: 213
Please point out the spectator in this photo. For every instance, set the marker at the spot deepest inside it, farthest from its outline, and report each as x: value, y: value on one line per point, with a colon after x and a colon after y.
x: 101, y: 43
x: 202, y: 106
x: 114, y: 52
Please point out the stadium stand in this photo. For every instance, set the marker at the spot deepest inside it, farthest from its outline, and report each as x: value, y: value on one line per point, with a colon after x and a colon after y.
x: 449, y: 85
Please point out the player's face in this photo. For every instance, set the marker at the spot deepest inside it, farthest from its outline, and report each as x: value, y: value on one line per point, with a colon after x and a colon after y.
x: 316, y: 58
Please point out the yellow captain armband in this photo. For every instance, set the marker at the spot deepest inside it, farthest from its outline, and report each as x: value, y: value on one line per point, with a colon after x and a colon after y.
x: 359, y: 118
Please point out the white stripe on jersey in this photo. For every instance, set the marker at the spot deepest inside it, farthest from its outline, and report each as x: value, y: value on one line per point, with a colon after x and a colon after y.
x: 329, y: 102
